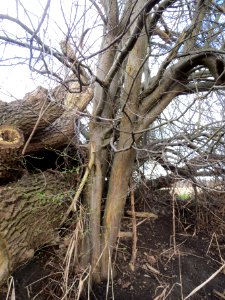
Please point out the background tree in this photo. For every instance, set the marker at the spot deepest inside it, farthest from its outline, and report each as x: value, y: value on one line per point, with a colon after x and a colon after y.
x: 156, y: 69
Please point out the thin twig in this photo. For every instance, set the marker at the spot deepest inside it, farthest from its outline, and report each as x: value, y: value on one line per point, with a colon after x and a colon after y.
x: 134, y: 228
x: 205, y: 282
x: 218, y: 294
x: 11, y: 289
x: 180, y: 275
x: 174, y: 220
x: 82, y: 184
x: 42, y: 111
x: 99, y: 11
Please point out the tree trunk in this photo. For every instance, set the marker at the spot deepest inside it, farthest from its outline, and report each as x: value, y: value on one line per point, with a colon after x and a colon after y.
x: 99, y: 132
x: 123, y: 161
x: 116, y: 198
x: 30, y: 212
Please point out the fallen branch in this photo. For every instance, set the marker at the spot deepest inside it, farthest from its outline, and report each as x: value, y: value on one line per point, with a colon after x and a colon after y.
x: 143, y: 214
x: 23, y: 114
x: 205, y: 282
x: 125, y: 234
x: 218, y: 294
x: 151, y: 269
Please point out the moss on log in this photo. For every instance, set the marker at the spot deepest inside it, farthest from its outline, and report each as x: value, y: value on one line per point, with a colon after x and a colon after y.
x: 30, y: 212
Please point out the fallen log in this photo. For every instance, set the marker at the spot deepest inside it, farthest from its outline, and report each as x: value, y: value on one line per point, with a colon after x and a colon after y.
x: 47, y: 120
x: 11, y: 143
x: 60, y: 133
x: 32, y: 208
x: 30, y: 212
x: 36, y: 106
x: 63, y: 130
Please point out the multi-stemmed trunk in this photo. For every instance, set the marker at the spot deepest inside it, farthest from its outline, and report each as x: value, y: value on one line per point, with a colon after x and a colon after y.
x: 103, y: 232
x: 123, y: 109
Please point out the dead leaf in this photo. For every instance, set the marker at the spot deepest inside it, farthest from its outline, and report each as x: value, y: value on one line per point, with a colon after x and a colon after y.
x: 151, y: 259
x: 126, y: 285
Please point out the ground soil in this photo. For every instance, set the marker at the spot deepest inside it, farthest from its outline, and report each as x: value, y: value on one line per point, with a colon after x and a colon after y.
x: 173, y: 258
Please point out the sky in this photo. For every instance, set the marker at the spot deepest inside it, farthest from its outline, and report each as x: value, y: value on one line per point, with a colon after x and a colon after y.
x: 16, y: 79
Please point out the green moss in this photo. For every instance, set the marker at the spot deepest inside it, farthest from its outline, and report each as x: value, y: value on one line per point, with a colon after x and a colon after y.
x: 42, y: 197
x: 184, y: 197
x: 59, y: 198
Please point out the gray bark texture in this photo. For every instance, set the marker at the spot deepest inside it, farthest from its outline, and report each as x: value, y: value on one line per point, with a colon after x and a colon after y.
x: 24, y: 113
x: 30, y: 212
x: 32, y: 206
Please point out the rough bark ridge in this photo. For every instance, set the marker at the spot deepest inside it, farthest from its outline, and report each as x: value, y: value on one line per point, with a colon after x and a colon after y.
x: 30, y: 211
x: 32, y: 208
x: 11, y: 143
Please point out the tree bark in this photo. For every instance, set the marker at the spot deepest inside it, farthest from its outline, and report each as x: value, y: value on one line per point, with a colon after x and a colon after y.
x: 60, y: 133
x: 99, y: 131
x: 41, y: 113
x: 11, y: 142
x: 24, y: 113
x: 32, y: 208
x: 116, y: 199
x: 30, y: 212
x: 123, y: 161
